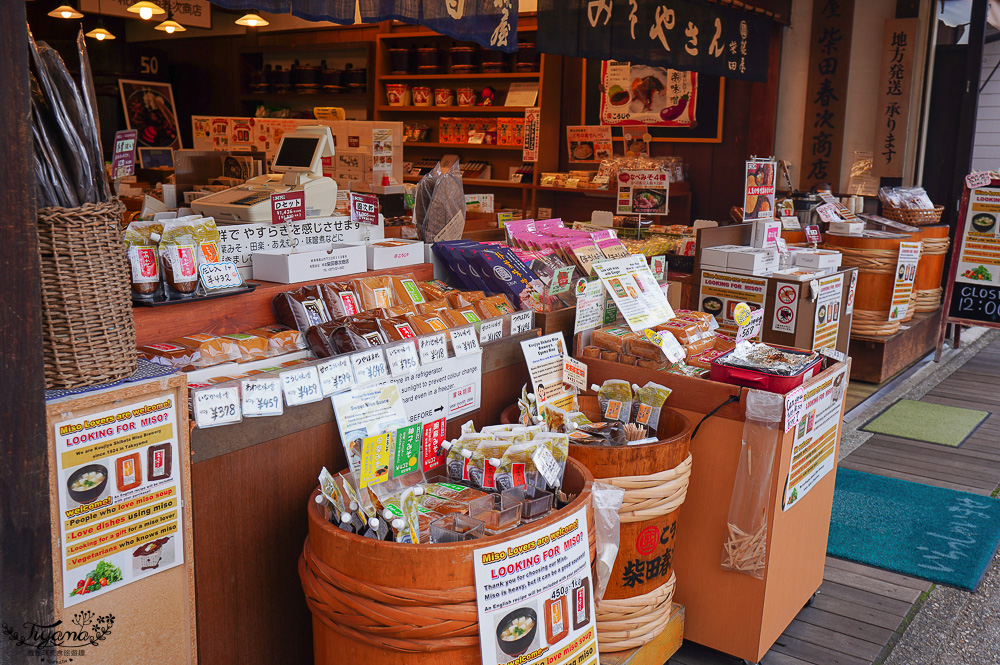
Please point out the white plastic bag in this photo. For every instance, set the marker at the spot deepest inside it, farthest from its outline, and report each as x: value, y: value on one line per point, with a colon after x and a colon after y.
x: 607, y: 502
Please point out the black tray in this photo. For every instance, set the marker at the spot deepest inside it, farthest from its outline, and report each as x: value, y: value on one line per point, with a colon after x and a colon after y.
x: 138, y: 302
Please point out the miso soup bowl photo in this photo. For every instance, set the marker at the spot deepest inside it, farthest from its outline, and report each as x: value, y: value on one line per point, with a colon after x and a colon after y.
x: 518, y: 645
x: 87, y: 483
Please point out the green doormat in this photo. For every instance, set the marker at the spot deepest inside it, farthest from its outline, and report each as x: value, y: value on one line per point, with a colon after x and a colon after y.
x: 936, y: 534
x: 923, y: 421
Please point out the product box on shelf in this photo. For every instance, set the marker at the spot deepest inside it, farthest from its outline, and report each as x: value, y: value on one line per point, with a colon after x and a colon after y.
x: 766, y: 233
x: 820, y: 259
x: 285, y: 266
x: 395, y: 253
x: 717, y: 258
x: 752, y: 261
x: 809, y: 313
x: 846, y: 228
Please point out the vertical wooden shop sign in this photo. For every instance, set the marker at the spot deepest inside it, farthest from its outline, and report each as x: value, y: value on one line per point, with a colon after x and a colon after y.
x: 896, y: 77
x: 826, y: 93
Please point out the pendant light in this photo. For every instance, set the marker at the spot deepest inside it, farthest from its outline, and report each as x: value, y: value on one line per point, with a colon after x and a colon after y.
x: 65, y: 11
x: 170, y: 26
x: 100, y: 34
x: 146, y: 10
x: 251, y: 20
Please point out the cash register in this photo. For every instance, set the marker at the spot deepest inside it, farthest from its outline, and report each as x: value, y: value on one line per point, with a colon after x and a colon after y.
x: 298, y: 166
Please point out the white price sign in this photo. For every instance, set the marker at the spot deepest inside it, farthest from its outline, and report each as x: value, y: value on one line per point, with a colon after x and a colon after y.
x: 432, y: 348
x: 794, y: 401
x: 262, y: 397
x: 369, y: 365
x: 490, y: 331
x: 222, y: 275
x: 980, y: 179
x: 575, y: 373
x: 301, y: 386
x: 402, y: 358
x: 521, y: 322
x: 464, y: 341
x: 671, y: 348
x: 217, y: 406
x: 833, y: 354
x: 753, y: 327
x: 546, y: 465
x: 335, y: 375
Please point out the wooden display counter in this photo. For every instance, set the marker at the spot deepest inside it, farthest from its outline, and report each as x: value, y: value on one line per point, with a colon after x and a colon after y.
x: 251, y: 483
x: 221, y: 316
x: 729, y: 611
x: 878, y: 359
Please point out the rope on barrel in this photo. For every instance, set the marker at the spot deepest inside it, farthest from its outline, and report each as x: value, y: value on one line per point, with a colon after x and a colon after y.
x: 875, y: 261
x: 931, y: 246
x: 631, y: 622
x: 654, y: 495
x: 929, y: 300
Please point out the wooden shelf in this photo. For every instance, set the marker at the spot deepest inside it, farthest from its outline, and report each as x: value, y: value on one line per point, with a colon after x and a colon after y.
x: 289, y: 97
x: 453, y: 109
x: 476, y: 76
x: 676, y: 189
x: 473, y: 146
x: 480, y: 182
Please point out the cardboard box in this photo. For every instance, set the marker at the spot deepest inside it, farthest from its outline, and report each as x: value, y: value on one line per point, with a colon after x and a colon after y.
x: 717, y: 258
x: 673, y: 292
x: 286, y: 266
x: 820, y: 259
x: 409, y: 254
x: 795, y: 324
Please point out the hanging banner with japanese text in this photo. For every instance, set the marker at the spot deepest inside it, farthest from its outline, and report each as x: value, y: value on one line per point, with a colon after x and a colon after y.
x: 896, y: 73
x: 686, y: 35
x: 826, y: 93
x: 489, y: 23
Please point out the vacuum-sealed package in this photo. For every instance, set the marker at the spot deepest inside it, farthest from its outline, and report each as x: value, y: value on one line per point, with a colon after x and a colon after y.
x: 141, y: 240
x: 178, y: 253
x: 302, y: 308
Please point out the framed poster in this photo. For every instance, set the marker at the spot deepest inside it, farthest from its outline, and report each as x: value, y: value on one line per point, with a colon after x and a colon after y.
x: 705, y: 126
x: 643, y: 95
x: 149, y: 109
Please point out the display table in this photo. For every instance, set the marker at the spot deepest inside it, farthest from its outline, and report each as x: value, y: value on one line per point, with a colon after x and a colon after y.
x: 734, y: 612
x: 878, y: 359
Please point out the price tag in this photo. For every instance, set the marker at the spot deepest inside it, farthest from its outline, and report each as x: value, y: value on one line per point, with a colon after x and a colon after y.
x: 794, y: 401
x: 972, y: 180
x: 668, y: 344
x: 813, y: 235
x: 600, y: 180
x: 369, y: 365
x: 288, y: 207
x: 463, y: 341
x: 490, y: 331
x: 503, y: 218
x: 560, y: 282
x: 402, y: 358
x: 833, y: 354
x: 790, y: 223
x: 754, y: 324
x: 546, y: 465
x: 516, y: 177
x: 123, y: 159
x: 658, y: 264
x: 301, y: 386
x: 521, y: 322
x: 432, y: 348
x: 217, y: 406
x: 262, y: 397
x: 222, y: 275
x: 828, y: 213
x: 575, y: 373
x: 335, y: 375
x: 364, y: 209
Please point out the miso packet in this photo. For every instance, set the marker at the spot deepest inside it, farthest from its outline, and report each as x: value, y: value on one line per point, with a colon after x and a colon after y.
x: 178, y: 251
x: 516, y: 466
x: 141, y: 240
x: 615, y: 398
x: 649, y: 401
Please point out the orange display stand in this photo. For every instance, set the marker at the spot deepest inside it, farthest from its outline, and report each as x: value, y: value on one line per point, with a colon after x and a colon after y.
x: 732, y: 612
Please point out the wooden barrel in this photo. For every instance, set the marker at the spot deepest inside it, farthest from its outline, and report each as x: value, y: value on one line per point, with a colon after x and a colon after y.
x: 875, y: 258
x: 379, y: 602
x: 794, y: 237
x: 931, y: 267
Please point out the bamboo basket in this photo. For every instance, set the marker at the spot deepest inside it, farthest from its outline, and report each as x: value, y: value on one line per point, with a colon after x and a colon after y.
x: 88, y: 334
x: 379, y: 602
x: 914, y: 216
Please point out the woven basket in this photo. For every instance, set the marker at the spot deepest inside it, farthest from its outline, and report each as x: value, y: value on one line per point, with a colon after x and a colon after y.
x: 88, y: 333
x: 914, y: 216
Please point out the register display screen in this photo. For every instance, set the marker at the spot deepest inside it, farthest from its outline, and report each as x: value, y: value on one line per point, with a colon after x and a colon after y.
x: 296, y: 153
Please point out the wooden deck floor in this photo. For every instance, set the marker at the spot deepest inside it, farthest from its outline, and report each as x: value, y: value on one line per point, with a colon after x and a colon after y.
x: 859, y: 608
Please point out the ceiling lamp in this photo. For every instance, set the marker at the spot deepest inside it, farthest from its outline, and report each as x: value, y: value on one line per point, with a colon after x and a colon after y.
x: 100, y: 34
x: 251, y: 20
x: 146, y: 10
x: 65, y: 11
x: 170, y: 26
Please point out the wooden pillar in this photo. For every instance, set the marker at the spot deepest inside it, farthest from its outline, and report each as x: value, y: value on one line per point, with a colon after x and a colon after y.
x: 25, y: 533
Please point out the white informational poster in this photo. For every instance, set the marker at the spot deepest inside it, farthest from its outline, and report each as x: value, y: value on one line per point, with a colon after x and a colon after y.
x: 722, y: 292
x: 826, y: 324
x: 906, y: 273
x: 589, y: 305
x: 544, y: 357
x: 979, y: 256
x: 786, y: 308
x: 635, y: 291
x: 535, y: 597
x: 644, y: 192
x: 120, y: 519
x: 589, y: 143
x: 814, y: 445
x: 365, y: 412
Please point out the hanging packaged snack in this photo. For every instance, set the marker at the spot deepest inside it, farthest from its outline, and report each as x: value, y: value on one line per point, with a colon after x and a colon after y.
x: 648, y: 403
x: 281, y: 339
x: 179, y: 259
x: 141, y: 239
x: 373, y: 292
x: 301, y: 309
x: 615, y: 398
